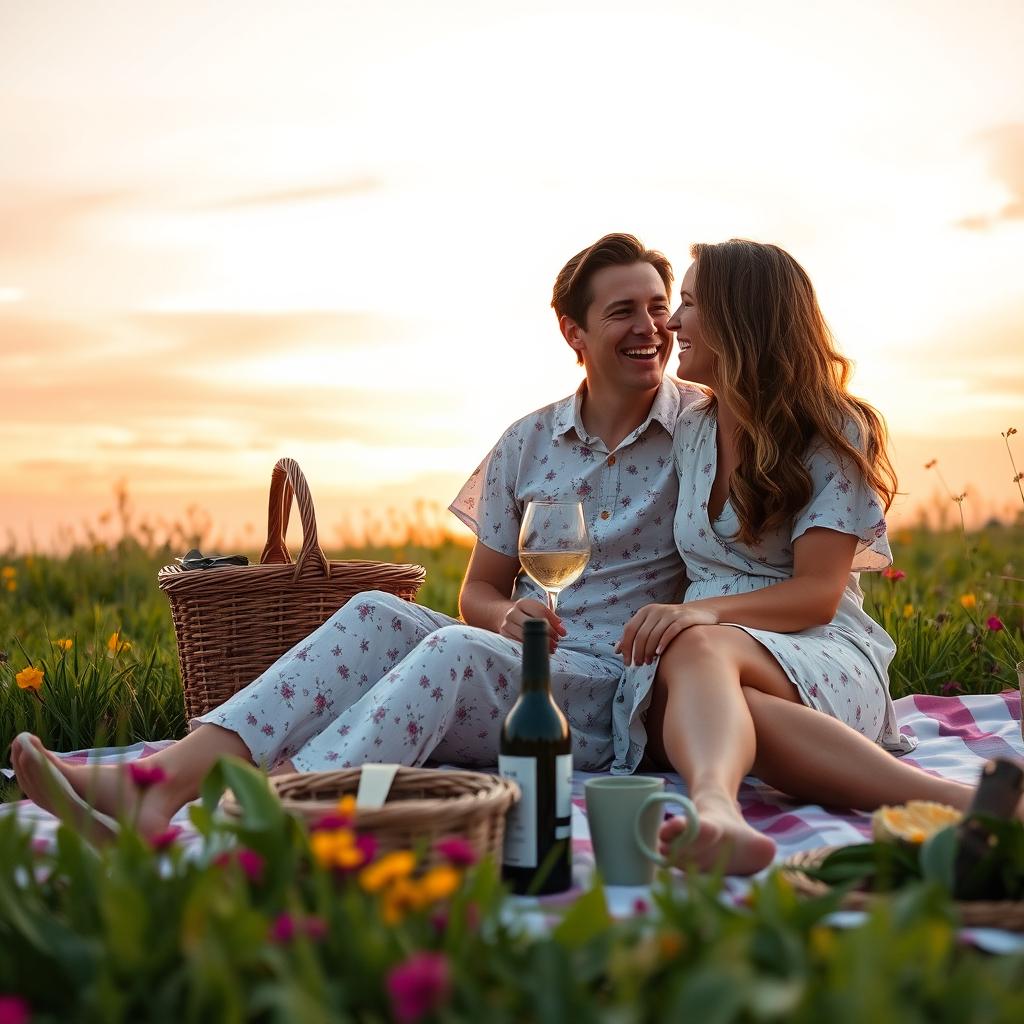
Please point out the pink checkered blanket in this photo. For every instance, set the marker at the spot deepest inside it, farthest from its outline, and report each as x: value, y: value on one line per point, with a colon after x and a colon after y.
x: 956, y: 736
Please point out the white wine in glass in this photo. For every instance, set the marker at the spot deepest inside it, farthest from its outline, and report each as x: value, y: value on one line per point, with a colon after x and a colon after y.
x: 554, y: 547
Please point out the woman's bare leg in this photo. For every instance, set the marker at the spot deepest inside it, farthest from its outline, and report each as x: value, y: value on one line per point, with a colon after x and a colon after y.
x: 110, y: 790
x: 699, y: 722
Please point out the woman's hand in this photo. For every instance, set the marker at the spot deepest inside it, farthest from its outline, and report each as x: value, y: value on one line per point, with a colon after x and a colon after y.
x: 530, y: 608
x: 654, y: 627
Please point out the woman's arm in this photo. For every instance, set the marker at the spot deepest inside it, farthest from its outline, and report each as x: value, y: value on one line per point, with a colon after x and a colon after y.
x: 485, y: 599
x: 822, y: 560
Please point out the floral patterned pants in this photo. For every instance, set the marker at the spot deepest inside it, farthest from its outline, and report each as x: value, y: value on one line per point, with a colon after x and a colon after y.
x: 390, y: 681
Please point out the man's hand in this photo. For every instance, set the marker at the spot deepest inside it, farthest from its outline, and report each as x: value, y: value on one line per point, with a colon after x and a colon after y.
x: 530, y: 608
x: 654, y: 627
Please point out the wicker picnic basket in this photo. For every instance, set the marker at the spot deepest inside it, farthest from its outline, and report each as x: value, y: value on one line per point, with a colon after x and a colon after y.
x: 1005, y: 914
x: 423, y: 806
x: 232, y: 622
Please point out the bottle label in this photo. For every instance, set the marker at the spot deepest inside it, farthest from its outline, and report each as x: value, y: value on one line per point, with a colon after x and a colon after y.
x: 563, y: 796
x: 521, y: 823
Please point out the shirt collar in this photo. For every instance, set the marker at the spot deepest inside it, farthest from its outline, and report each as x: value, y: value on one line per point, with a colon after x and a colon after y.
x: 664, y: 410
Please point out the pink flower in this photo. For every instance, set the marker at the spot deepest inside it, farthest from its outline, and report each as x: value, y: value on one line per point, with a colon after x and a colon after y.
x: 894, y: 574
x: 162, y: 840
x: 282, y: 929
x: 145, y: 775
x: 640, y: 906
x: 418, y: 986
x: 251, y: 862
x: 457, y: 851
x: 994, y: 623
x: 13, y: 1010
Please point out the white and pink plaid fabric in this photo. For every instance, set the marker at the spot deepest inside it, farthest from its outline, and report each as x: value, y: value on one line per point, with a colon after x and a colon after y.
x: 957, y: 735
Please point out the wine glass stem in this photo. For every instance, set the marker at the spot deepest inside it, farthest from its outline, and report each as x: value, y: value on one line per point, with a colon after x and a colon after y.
x: 552, y: 599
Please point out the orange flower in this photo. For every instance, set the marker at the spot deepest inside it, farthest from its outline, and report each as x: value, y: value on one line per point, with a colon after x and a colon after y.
x: 116, y: 645
x: 390, y: 869
x: 8, y: 572
x: 29, y: 678
x: 439, y: 883
x: 65, y: 643
x: 11, y: 585
x: 969, y: 601
x: 908, y: 611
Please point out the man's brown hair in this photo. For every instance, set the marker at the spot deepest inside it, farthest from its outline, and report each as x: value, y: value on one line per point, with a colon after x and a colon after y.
x: 572, y: 294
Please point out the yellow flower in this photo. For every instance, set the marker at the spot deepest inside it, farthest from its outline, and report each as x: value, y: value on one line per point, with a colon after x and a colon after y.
x: 29, y: 678
x: 391, y: 868
x: 401, y: 897
x: 439, y: 883
x: 969, y: 601
x: 116, y: 645
x: 8, y: 572
x: 65, y: 643
x: 335, y: 848
x: 346, y: 806
x: 12, y: 585
x: 908, y: 611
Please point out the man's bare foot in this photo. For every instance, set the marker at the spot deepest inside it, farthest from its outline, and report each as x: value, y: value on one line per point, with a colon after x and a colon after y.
x: 108, y: 789
x: 723, y: 832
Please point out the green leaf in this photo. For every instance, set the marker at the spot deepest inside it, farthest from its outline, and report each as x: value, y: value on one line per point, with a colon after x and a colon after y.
x: 261, y: 810
x: 587, y: 919
x: 938, y: 856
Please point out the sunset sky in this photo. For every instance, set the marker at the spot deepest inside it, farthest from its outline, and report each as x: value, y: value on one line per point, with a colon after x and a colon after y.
x: 235, y: 231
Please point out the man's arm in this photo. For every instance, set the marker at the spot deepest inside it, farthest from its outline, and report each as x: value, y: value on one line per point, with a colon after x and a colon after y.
x: 486, y: 596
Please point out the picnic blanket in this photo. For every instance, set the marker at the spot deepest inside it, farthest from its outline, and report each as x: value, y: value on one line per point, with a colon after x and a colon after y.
x: 956, y: 736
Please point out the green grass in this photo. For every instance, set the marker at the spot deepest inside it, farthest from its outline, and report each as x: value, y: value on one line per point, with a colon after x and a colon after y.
x: 93, y: 696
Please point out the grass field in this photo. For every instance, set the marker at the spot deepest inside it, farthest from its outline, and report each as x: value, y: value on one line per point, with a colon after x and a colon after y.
x: 95, y: 624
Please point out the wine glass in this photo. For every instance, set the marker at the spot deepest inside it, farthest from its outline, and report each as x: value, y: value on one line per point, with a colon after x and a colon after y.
x: 554, y: 547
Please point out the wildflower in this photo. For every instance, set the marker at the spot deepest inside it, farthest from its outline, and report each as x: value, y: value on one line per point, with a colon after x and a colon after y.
x: 439, y: 883
x: 908, y: 611
x: 29, y: 678
x: 65, y: 643
x: 640, y: 906
x: 285, y: 928
x: 315, y: 928
x: 894, y: 574
x: 398, y: 899
x: 145, y: 775
x: 11, y: 585
x: 670, y: 944
x: 994, y: 623
x: 389, y: 869
x: 969, y: 601
x: 282, y: 929
x: 341, y: 849
x: 950, y: 688
x: 13, y: 1010
x: 115, y: 645
x: 251, y: 862
x: 457, y: 851
x: 419, y: 986
x: 8, y: 572
x: 167, y: 838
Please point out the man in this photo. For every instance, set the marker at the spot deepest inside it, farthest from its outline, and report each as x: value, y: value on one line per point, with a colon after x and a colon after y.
x: 387, y: 680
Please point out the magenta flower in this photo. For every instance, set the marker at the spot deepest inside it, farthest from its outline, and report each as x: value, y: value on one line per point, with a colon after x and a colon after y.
x: 252, y: 864
x: 418, y: 986
x: 315, y: 928
x: 640, y: 906
x: 165, y: 839
x: 994, y: 623
x: 457, y: 851
x: 14, y: 1010
x: 145, y: 775
x: 282, y: 928
x: 894, y: 574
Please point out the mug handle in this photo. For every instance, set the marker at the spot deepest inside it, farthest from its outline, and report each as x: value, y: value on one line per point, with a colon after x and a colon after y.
x: 684, y: 838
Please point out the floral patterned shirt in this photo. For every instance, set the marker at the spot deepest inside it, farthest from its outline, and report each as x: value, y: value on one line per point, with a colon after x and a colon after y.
x: 629, y: 503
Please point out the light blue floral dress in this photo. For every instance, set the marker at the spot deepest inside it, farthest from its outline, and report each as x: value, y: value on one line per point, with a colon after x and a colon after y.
x: 840, y: 669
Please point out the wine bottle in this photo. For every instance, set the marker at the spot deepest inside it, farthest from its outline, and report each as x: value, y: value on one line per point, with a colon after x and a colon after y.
x: 535, y: 752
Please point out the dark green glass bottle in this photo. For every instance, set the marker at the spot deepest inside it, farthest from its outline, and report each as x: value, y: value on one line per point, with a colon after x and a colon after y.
x: 536, y: 753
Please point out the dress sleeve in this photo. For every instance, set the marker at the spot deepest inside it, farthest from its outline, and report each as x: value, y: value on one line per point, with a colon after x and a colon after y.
x: 842, y: 501
x: 488, y: 502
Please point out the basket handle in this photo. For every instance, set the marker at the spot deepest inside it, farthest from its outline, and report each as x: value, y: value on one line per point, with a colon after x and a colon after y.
x: 288, y: 480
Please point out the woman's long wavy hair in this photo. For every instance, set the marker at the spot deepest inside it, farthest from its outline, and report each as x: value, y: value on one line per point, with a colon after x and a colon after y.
x: 778, y: 369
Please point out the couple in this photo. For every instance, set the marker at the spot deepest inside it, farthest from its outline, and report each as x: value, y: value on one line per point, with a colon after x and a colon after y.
x: 761, y: 488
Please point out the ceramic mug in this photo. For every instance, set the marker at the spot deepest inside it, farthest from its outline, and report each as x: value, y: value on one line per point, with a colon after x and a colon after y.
x: 624, y: 813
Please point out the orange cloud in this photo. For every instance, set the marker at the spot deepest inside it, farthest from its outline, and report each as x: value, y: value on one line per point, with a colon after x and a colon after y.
x: 1006, y: 163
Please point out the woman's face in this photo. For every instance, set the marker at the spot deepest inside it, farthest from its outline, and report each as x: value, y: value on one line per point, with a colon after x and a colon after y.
x: 696, y: 360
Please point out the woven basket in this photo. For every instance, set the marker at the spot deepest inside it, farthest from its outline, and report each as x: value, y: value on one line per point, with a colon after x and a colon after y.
x: 1005, y: 914
x: 423, y: 806
x: 233, y: 622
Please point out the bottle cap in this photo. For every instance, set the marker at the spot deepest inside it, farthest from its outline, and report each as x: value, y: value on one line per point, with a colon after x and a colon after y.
x: 535, y: 627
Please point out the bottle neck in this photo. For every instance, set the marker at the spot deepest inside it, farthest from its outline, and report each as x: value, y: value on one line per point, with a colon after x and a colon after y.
x: 536, y: 668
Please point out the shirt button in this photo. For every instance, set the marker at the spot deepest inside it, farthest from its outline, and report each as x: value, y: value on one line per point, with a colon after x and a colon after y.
x: 606, y: 514
x: 611, y: 460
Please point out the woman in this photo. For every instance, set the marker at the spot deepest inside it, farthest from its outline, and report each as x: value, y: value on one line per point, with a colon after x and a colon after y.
x: 771, y: 666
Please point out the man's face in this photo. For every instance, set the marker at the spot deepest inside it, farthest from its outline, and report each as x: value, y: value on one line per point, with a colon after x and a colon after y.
x: 625, y: 345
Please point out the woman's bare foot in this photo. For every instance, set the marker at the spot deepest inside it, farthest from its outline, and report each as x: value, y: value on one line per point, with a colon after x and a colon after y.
x: 722, y: 831
x: 108, y: 789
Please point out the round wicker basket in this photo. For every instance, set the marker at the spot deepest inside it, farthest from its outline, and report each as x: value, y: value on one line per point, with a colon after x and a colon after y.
x: 423, y: 806
x: 1005, y: 914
